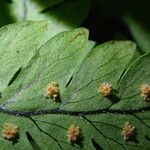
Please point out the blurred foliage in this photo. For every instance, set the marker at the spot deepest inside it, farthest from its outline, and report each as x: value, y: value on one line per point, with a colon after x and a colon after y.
x: 60, y: 14
x: 106, y: 19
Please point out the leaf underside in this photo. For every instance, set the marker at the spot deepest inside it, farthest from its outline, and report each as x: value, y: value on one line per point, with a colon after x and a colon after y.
x: 29, y: 62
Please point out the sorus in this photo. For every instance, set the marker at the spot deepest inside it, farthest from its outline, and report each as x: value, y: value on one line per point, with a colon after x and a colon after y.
x: 145, y: 91
x: 10, y: 131
x: 128, y: 131
x: 105, y: 89
x: 74, y: 133
x: 52, y: 90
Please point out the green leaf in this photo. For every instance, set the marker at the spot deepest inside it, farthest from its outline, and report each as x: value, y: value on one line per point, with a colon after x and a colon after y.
x: 18, y: 44
x: 68, y: 59
x: 140, y: 32
x: 137, y: 75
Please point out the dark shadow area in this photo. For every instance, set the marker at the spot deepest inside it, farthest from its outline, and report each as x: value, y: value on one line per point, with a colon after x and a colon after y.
x: 33, y: 143
x: 109, y: 20
x: 96, y: 145
x: 53, y: 6
x: 9, y: 1
x: 133, y: 138
x: 79, y: 141
x: 105, y: 26
x: 15, y: 76
x: 5, y: 13
x: 15, y: 140
x: 50, y: 3
x: 135, y: 8
x: 147, y: 138
x: 69, y: 12
x: 148, y: 99
x: 57, y: 99
x: 113, y: 97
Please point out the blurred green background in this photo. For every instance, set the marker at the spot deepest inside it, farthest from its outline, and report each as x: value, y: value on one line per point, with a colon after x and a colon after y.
x: 106, y: 19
